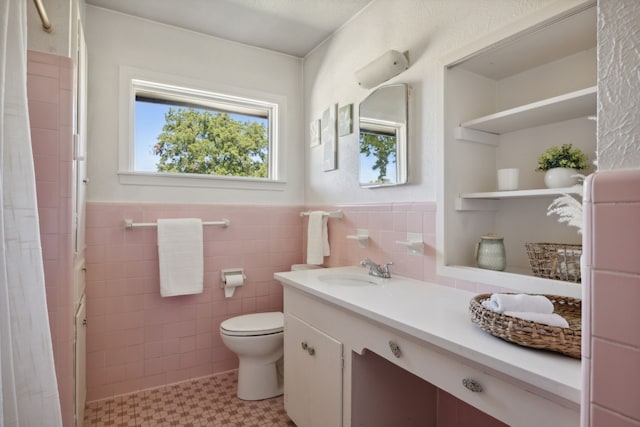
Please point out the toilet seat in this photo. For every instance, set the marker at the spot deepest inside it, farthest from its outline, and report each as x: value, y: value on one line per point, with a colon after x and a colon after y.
x: 253, y: 324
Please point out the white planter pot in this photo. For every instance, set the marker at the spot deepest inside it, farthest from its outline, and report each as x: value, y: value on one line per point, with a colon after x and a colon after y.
x: 561, y: 177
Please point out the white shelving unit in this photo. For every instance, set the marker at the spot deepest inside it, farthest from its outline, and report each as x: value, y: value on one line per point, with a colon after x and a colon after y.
x: 469, y: 201
x: 568, y: 106
x: 507, y: 101
x: 517, y: 194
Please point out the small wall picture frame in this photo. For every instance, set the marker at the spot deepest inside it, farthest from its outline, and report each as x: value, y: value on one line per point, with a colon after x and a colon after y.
x: 328, y: 138
x: 314, y: 133
x: 345, y: 120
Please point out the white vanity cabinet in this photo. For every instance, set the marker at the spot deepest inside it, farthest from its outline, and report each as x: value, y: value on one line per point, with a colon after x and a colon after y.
x: 313, y: 375
x: 508, y: 98
x: 391, y: 348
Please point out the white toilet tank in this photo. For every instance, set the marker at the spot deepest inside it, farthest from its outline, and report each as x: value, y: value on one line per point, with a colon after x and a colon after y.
x: 298, y: 267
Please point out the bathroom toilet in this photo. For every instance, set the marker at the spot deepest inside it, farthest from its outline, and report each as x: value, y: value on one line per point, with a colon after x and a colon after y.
x: 257, y: 339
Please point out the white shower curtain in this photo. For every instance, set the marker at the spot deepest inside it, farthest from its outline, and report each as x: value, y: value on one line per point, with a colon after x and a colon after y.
x: 29, y: 393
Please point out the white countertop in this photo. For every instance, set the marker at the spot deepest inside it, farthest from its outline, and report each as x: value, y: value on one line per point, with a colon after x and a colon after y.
x: 439, y: 315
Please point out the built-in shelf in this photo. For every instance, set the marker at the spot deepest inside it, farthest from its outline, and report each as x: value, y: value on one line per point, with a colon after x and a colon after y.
x: 488, y: 201
x: 580, y: 103
x: 524, y: 194
x: 508, y: 98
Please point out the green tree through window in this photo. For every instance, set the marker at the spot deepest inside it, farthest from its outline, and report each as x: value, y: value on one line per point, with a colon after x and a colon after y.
x: 382, y: 148
x: 212, y: 143
x: 178, y: 130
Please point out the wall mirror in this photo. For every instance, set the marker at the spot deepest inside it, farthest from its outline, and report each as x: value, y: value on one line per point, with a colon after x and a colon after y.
x: 383, y: 137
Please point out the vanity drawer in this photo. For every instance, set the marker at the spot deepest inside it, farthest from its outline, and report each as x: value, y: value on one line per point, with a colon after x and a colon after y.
x: 508, y: 401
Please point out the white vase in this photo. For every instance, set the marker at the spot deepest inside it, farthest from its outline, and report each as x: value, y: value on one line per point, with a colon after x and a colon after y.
x: 561, y: 177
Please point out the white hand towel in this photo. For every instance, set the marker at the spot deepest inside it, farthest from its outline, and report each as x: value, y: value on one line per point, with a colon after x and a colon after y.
x: 317, y: 238
x: 181, y: 256
x: 552, y: 319
x: 519, y: 302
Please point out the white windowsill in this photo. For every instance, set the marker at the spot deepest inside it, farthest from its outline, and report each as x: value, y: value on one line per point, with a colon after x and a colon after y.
x: 204, y: 181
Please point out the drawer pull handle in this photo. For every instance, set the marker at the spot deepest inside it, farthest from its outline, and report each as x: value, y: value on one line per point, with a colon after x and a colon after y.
x: 395, y: 349
x: 306, y: 347
x: 472, y: 385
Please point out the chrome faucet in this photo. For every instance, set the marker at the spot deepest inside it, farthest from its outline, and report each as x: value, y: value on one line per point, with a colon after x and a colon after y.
x: 377, y: 270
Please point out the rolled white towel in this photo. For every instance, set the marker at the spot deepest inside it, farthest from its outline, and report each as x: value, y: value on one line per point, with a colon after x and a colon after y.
x: 518, y: 302
x: 552, y: 319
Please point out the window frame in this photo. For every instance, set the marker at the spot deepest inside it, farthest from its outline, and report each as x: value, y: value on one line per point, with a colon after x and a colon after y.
x: 135, y: 81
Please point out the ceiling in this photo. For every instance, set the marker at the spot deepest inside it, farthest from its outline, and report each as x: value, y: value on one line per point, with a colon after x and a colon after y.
x: 293, y: 27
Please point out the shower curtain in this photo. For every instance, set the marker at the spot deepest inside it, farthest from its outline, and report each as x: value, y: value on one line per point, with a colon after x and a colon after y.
x: 28, y: 392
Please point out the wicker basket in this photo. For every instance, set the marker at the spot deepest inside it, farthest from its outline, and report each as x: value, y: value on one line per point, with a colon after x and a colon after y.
x: 555, y: 260
x: 530, y: 334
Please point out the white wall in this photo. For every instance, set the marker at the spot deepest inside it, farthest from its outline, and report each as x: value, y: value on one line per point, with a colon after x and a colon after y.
x: 62, y: 38
x: 429, y: 30
x: 55, y: 42
x: 618, y: 84
x: 116, y: 40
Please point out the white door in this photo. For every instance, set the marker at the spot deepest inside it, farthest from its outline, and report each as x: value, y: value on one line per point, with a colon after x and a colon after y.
x: 80, y: 145
x: 80, y: 362
x: 312, y: 375
x: 80, y: 167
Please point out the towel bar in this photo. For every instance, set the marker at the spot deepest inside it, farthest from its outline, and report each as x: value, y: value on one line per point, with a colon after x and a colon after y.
x: 129, y: 224
x: 335, y: 214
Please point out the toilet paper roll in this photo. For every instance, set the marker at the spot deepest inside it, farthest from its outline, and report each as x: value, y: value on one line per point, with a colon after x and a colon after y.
x: 232, y: 281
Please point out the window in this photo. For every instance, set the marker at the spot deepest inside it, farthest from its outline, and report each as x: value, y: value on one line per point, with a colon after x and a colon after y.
x: 175, y: 135
x: 184, y: 131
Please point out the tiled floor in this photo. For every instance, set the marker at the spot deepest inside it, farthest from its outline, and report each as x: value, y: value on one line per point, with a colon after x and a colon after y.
x: 207, y: 401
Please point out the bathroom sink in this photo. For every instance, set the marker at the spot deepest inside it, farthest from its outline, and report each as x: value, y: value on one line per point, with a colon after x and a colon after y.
x: 350, y: 280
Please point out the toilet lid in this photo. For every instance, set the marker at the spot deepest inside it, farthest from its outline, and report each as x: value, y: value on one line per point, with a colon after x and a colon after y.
x: 253, y: 324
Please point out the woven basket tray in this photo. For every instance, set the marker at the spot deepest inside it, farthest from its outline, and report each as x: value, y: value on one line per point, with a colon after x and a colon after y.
x: 557, y: 261
x: 530, y: 334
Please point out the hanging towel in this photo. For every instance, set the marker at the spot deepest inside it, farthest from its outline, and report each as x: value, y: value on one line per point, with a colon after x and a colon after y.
x: 180, y: 256
x: 519, y: 302
x: 317, y: 238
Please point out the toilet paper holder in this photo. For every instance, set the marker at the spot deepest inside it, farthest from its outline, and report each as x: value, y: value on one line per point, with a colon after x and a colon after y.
x: 231, y: 278
x: 228, y: 272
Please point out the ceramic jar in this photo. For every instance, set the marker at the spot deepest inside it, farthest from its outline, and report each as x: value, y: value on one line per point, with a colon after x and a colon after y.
x: 490, y: 253
x: 561, y: 177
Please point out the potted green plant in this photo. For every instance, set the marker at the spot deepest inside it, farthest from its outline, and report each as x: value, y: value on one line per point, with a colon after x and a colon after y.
x: 561, y: 165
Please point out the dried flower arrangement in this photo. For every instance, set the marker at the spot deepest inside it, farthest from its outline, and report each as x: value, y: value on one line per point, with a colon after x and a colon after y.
x: 568, y: 208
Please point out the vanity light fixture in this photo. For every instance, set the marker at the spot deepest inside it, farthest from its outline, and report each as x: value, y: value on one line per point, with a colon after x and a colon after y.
x: 390, y: 64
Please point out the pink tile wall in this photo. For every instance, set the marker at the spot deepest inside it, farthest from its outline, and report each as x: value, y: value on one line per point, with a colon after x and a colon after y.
x: 453, y: 412
x: 384, y: 394
x: 49, y: 88
x: 386, y: 223
x: 612, y: 353
x: 135, y: 338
